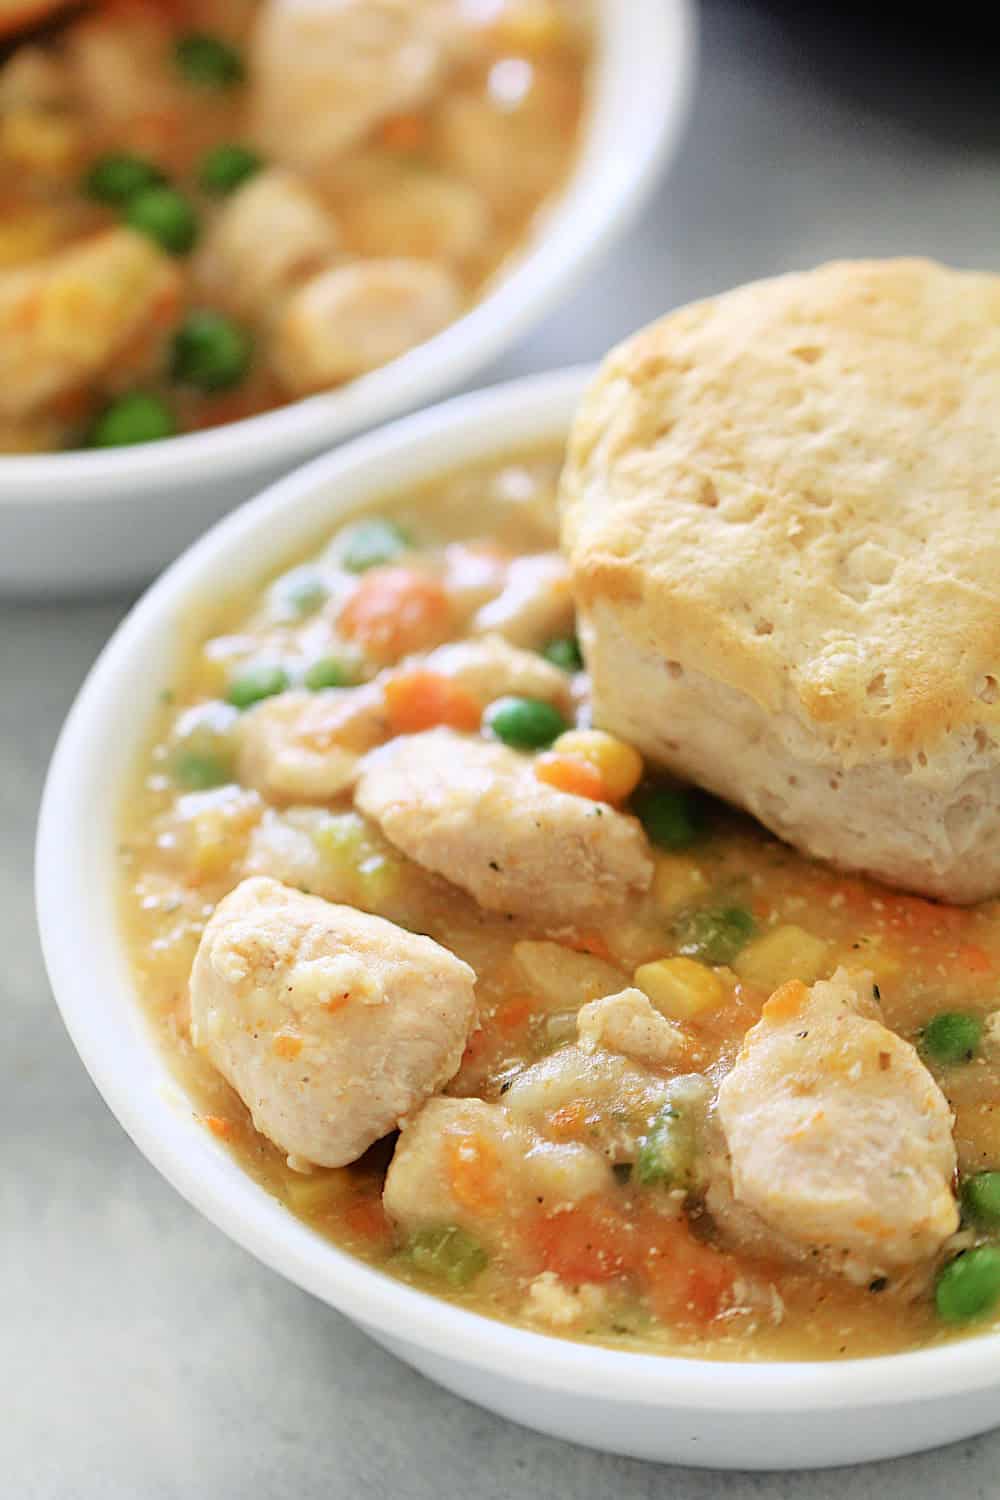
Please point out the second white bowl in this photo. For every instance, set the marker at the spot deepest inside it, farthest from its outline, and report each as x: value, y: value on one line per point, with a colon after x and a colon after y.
x: 80, y: 522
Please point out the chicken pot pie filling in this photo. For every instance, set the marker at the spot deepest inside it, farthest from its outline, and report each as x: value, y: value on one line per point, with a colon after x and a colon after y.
x: 495, y: 1008
x: 210, y: 209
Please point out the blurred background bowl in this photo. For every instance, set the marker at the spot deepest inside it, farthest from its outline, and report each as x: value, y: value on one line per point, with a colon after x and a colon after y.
x: 81, y: 522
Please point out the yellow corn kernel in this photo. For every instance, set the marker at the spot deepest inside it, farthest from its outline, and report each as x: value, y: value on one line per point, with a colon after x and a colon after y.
x: 40, y: 141
x: 786, y: 952
x: 678, y: 881
x: 680, y: 987
x: 618, y: 764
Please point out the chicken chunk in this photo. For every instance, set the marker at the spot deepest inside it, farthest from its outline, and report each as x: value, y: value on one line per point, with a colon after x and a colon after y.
x: 116, y: 61
x: 628, y: 1023
x: 333, y: 1026
x: 426, y: 1181
x: 354, y: 318
x: 423, y: 215
x: 306, y: 747
x: 269, y: 236
x: 68, y: 319
x: 535, y: 604
x: 475, y: 813
x: 324, y: 72
x: 839, y: 1140
x: 491, y: 668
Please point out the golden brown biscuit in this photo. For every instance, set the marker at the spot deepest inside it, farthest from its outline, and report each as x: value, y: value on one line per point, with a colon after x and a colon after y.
x: 782, y: 512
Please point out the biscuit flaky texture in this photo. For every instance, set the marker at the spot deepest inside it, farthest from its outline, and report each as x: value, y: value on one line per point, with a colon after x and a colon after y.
x: 782, y: 512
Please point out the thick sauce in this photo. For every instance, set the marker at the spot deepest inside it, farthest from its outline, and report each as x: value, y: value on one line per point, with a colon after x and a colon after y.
x: 638, y: 1264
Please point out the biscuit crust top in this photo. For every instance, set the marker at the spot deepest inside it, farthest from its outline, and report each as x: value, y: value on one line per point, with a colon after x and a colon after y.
x: 795, y: 487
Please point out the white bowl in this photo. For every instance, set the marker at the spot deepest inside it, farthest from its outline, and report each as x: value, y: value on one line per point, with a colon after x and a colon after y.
x: 685, y: 1411
x: 79, y: 522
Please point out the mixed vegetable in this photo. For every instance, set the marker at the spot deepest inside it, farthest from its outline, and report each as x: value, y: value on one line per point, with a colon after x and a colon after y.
x: 572, y: 1174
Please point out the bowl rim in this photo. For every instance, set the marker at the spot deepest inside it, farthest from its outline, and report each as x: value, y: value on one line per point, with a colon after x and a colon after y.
x: 96, y: 995
x: 645, y: 61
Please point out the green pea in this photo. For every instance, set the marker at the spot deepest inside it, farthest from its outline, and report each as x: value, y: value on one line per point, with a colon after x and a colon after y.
x: 166, y: 216
x: 328, y: 672
x: 199, y: 772
x: 256, y: 683
x: 666, y: 1153
x: 210, y: 351
x: 715, y: 934
x: 969, y: 1286
x: 674, y: 818
x: 371, y: 544
x: 981, y: 1198
x: 118, y: 176
x: 951, y: 1037
x: 447, y: 1252
x: 564, y: 652
x: 225, y: 168
x: 524, y: 723
x: 135, y: 418
x: 208, y: 61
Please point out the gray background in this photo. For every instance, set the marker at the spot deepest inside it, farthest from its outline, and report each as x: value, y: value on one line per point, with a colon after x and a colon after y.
x: 141, y: 1354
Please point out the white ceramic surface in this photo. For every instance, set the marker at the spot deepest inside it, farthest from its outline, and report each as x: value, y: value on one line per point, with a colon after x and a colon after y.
x: 686, y: 1411
x: 80, y: 522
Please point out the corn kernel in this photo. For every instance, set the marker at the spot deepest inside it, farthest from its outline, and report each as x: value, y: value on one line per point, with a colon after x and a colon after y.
x: 680, y: 987
x: 618, y: 764
x: 678, y: 881
x: 786, y: 952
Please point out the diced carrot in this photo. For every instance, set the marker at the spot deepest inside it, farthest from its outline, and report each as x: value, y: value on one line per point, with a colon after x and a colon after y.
x: 786, y: 1002
x: 473, y: 1168
x: 287, y: 1045
x: 590, y: 1242
x: 394, y: 611
x: 423, y: 700
x: 567, y: 774
x: 219, y: 1126
x: 365, y: 1217
x: 404, y: 133
x: 512, y: 1015
x: 592, y: 943
x: 687, y: 1281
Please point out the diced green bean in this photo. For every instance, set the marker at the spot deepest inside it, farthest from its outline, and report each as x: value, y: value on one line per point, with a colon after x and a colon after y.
x: 714, y: 934
x: 447, y: 1252
x: 666, y: 1152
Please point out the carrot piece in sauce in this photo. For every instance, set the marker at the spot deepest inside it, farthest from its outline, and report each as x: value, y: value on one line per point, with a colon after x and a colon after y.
x: 422, y: 700
x: 394, y: 611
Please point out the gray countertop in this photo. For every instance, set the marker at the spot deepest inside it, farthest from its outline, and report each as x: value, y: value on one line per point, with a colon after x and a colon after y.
x: 143, y: 1355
